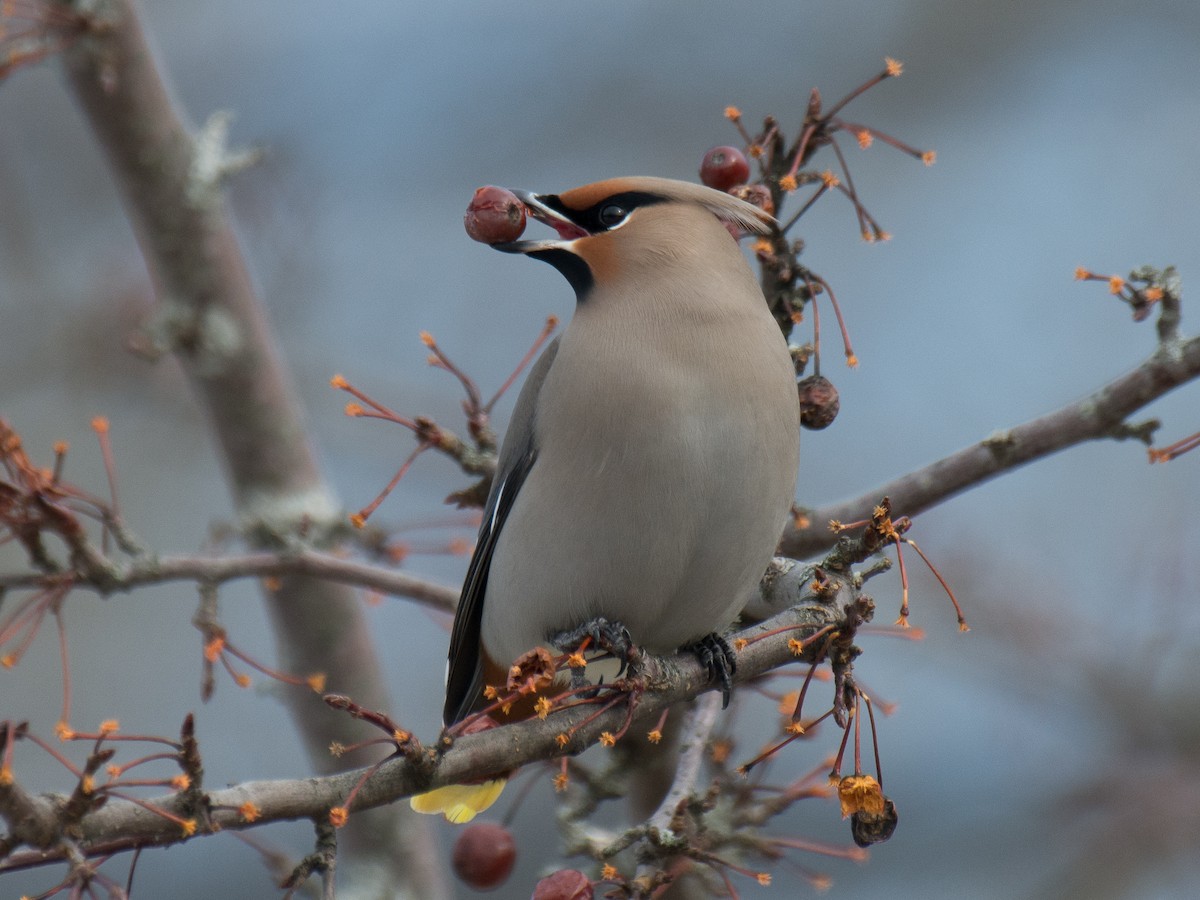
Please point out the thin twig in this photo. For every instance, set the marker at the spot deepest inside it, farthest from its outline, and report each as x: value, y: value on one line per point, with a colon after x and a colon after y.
x: 1099, y: 415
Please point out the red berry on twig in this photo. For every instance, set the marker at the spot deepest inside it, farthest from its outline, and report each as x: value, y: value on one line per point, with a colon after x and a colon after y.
x: 724, y: 167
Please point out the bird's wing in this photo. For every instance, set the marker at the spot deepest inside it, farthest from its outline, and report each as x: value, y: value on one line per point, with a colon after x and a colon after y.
x: 464, y: 680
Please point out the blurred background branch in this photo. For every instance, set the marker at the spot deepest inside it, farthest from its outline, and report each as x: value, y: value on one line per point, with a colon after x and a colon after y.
x: 170, y: 182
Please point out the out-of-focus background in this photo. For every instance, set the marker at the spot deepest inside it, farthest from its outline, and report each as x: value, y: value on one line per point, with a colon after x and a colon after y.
x: 1052, y: 751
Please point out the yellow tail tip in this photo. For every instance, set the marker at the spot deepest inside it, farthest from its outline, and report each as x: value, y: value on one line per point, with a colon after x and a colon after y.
x: 459, y: 803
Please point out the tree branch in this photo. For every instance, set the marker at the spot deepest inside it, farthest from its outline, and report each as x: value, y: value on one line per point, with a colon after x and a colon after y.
x: 120, y: 825
x: 696, y: 731
x: 1101, y: 414
x: 150, y: 570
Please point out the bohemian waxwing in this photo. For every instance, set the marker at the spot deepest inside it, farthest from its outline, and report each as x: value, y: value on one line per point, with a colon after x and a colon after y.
x: 650, y: 464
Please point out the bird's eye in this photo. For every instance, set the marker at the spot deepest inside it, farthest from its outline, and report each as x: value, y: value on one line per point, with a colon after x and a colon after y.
x: 613, y: 214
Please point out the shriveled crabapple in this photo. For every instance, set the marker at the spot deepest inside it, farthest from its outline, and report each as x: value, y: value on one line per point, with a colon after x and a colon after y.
x: 756, y: 195
x: 483, y: 855
x: 494, y: 216
x: 819, y: 402
x: 724, y: 167
x: 565, y: 884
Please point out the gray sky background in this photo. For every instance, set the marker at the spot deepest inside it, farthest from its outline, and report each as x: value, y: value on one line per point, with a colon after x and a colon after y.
x: 1066, y: 135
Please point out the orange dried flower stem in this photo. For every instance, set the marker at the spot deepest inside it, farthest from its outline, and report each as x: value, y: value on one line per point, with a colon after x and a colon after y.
x: 343, y: 749
x: 9, y: 742
x: 729, y: 888
x: 60, y: 460
x: 349, y: 801
x: 774, y: 631
x: 874, y: 739
x: 372, y: 717
x: 632, y: 705
x: 110, y: 463
x: 867, y: 224
x: 744, y: 768
x: 805, y: 208
x: 802, y: 146
x: 857, y: 734
x: 610, y: 704
x: 718, y: 863
x: 440, y: 360
x: 498, y: 705
x: 547, y: 330
x: 837, y: 312
x: 66, y: 763
x: 398, y: 551
x: 837, y: 761
x: 812, y: 669
x: 64, y: 663
x: 239, y: 677
x: 188, y: 825
x: 962, y: 621
x: 903, y: 620
x: 662, y: 721
x: 118, y: 771
x: 1171, y: 451
x: 850, y: 189
x: 17, y: 618
x: 772, y: 750
x: 28, y: 616
x: 365, y: 513
x: 141, y: 782
x: 382, y: 412
x: 522, y: 792
x: 839, y: 527
x: 814, y: 780
x: 858, y: 91
x: 835, y: 850
x: 816, y: 314
x: 266, y: 670
x: 737, y: 123
x: 112, y: 736
x: 885, y: 137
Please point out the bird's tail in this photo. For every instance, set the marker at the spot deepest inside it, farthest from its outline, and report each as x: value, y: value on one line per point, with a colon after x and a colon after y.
x: 459, y: 803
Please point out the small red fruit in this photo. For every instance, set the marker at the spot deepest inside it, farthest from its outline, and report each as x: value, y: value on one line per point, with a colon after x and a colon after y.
x: 484, y: 855
x: 565, y: 884
x: 494, y: 216
x: 724, y: 167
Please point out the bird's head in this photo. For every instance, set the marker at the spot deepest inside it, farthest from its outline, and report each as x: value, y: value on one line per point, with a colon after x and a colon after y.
x: 610, y: 226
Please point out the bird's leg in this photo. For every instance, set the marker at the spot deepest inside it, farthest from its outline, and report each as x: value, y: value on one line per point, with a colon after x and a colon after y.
x: 718, y: 660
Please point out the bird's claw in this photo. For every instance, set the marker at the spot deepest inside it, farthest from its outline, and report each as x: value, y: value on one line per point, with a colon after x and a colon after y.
x: 612, y: 637
x: 718, y: 660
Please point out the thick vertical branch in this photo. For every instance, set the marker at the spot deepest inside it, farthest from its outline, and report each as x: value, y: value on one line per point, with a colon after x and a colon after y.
x: 209, y: 311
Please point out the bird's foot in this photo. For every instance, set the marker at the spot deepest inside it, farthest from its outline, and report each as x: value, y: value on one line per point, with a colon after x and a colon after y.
x: 718, y: 660
x: 601, y: 634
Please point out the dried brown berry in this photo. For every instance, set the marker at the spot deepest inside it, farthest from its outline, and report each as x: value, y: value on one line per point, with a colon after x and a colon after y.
x: 757, y: 195
x: 724, y: 167
x: 819, y: 403
x: 494, y: 216
x: 484, y: 855
x: 868, y: 829
x: 565, y: 884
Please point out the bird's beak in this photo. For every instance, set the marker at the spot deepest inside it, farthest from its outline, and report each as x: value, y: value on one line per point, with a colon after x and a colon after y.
x: 567, y: 230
